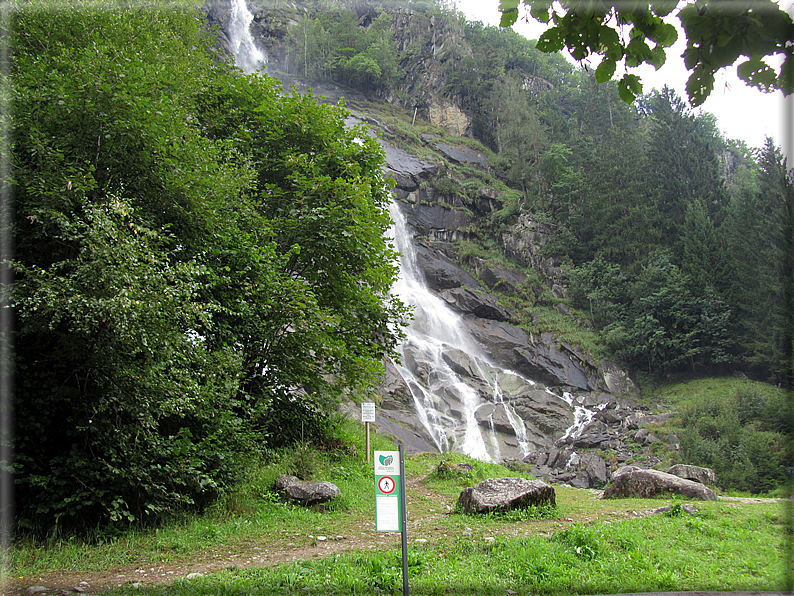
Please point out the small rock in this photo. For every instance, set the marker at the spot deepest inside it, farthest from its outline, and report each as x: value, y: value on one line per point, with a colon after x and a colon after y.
x: 194, y: 575
x: 78, y: 589
x: 467, y: 534
x: 321, y: 539
x: 421, y: 540
x: 490, y: 539
x: 36, y: 589
x: 340, y: 537
x: 137, y: 585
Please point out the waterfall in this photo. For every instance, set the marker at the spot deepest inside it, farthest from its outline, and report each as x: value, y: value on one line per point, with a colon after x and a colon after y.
x: 455, y: 388
x: 464, y: 401
x: 247, y: 56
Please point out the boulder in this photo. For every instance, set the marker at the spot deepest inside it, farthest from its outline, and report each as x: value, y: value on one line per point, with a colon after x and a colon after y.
x: 624, y: 470
x: 504, y: 494
x: 694, y: 473
x: 645, y: 484
x: 595, y: 469
x: 302, y: 492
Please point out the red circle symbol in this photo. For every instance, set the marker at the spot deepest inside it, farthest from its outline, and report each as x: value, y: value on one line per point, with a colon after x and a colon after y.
x: 386, y: 485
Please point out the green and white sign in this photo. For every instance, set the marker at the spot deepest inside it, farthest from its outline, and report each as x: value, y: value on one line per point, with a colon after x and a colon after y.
x: 387, y: 491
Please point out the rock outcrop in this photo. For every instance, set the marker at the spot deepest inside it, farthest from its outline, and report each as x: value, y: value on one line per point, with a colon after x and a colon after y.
x: 646, y: 484
x: 505, y: 494
x: 302, y: 492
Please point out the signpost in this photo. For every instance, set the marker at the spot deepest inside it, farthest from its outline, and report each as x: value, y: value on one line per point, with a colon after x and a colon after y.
x: 367, y: 416
x: 390, y: 509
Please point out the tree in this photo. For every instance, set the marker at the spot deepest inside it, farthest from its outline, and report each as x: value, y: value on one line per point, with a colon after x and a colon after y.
x: 718, y: 34
x: 200, y: 262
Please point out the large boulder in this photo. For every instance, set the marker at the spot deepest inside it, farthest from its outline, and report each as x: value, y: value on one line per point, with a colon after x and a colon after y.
x: 295, y: 490
x: 694, y: 473
x: 504, y: 494
x: 646, y: 484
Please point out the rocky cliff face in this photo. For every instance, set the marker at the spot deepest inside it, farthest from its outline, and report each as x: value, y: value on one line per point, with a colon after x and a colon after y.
x: 572, y: 401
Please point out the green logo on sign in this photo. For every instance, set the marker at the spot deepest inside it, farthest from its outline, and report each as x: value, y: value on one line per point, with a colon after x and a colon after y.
x: 386, y: 460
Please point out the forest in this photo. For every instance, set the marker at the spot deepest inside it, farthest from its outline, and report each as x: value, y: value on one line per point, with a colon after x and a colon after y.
x: 200, y: 266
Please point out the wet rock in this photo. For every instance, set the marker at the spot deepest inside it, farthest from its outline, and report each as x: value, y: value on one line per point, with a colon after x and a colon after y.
x: 535, y: 358
x: 653, y: 483
x: 301, y: 492
x: 504, y: 494
x: 694, y: 473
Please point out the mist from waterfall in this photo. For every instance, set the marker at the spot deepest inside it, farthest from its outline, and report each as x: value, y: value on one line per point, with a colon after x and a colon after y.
x: 247, y: 55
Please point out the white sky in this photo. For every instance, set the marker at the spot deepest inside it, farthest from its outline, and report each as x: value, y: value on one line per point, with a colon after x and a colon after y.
x: 742, y: 112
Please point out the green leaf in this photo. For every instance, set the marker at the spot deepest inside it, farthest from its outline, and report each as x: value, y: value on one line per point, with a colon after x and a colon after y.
x: 662, y: 8
x: 699, y: 85
x: 508, y: 18
x: 605, y: 70
x: 629, y: 87
x: 551, y: 40
x: 609, y: 41
x: 539, y: 9
x: 757, y: 73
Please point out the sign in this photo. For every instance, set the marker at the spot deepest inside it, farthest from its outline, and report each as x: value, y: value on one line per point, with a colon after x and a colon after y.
x: 368, y: 412
x: 388, y: 517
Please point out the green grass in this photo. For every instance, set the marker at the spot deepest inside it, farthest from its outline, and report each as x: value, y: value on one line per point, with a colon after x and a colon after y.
x: 723, y: 547
x: 583, y: 545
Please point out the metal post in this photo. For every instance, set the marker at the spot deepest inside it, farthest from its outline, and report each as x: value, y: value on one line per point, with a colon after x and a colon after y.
x: 404, y: 516
x: 367, y: 425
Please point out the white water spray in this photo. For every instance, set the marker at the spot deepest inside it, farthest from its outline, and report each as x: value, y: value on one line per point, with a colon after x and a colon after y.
x: 247, y: 56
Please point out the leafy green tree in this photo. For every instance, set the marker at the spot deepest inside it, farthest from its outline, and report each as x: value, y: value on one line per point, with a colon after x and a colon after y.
x: 718, y: 34
x: 200, y: 259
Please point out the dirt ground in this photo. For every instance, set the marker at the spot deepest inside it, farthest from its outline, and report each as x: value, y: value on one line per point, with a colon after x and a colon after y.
x: 423, y: 520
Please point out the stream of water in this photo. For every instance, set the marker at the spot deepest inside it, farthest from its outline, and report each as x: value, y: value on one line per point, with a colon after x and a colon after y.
x: 457, y: 391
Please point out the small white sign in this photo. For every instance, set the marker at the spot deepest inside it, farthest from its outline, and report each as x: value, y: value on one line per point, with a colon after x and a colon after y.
x: 387, y: 514
x: 368, y: 412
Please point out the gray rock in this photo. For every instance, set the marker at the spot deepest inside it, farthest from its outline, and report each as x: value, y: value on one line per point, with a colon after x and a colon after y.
x: 462, y: 155
x: 624, y: 470
x: 535, y: 357
x: 498, y: 277
x: 478, y: 304
x: 694, y: 473
x: 406, y: 169
x: 194, y: 575
x: 440, y: 272
x: 36, y: 589
x: 302, y: 492
x: 596, y: 469
x: 653, y: 483
x: 504, y: 494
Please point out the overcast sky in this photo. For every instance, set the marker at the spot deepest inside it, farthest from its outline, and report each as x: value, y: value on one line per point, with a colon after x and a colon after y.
x: 742, y: 112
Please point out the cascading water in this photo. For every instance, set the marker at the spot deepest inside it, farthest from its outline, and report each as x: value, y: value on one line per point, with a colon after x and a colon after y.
x: 462, y: 399
x: 449, y: 377
x: 247, y: 56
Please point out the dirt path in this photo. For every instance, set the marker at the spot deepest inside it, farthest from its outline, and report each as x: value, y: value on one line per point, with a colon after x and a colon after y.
x: 428, y: 509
